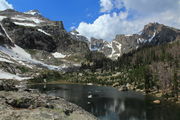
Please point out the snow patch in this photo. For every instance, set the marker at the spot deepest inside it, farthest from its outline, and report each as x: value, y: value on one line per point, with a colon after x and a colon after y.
x: 128, y: 35
x: 109, y: 45
x: 141, y: 40
x: 58, y: 55
x: 113, y: 51
x: 31, y: 19
x: 154, y: 34
x: 36, y: 20
x: 21, y: 52
x: 21, y: 56
x: 5, y: 60
x: 19, y: 18
x: 73, y: 33
x: 25, y: 24
x: 118, y: 45
x: 5, y: 75
x: 32, y: 12
x: 2, y: 17
x: 40, y: 30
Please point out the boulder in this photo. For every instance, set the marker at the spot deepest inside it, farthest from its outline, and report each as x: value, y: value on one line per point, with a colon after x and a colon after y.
x: 115, y: 84
x: 123, y: 88
x: 156, y: 101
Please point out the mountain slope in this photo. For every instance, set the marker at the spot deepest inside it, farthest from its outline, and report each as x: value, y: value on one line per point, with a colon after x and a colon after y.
x: 33, y: 42
x: 33, y: 31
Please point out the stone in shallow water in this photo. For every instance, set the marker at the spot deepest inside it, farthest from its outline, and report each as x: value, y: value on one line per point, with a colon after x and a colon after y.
x: 156, y: 101
x: 123, y: 88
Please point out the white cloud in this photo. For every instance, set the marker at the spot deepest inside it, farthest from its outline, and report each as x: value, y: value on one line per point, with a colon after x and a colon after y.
x: 106, y: 5
x: 137, y: 14
x: 5, y: 5
x: 151, y: 6
x: 105, y: 26
x: 73, y: 27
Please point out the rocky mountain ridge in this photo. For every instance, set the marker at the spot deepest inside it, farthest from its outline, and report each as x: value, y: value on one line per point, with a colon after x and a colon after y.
x: 33, y: 41
x: 36, y: 32
x: 152, y: 34
x: 29, y: 40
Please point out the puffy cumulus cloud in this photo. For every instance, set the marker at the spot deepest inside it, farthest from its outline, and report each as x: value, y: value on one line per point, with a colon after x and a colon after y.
x: 5, y: 5
x: 137, y: 13
x: 106, y: 5
x: 105, y: 26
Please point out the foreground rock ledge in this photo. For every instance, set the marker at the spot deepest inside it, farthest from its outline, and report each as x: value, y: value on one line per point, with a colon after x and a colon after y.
x: 23, y: 105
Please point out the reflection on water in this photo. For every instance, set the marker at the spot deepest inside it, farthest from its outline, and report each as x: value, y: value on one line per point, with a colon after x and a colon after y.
x: 109, y: 104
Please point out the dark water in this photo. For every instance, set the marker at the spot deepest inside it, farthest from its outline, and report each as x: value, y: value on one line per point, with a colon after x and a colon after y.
x: 107, y: 103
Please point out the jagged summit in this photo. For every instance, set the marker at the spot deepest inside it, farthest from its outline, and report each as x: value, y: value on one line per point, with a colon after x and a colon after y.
x: 151, y: 29
x: 152, y: 25
x: 31, y: 40
x: 43, y: 33
x: 33, y: 12
x: 9, y: 10
x: 76, y: 35
x: 75, y: 32
x: 29, y: 19
x: 152, y: 34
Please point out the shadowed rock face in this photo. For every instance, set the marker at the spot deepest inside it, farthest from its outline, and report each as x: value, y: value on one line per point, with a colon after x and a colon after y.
x: 3, y: 37
x: 30, y: 30
x: 159, y: 34
x: 96, y: 43
x: 4, y: 40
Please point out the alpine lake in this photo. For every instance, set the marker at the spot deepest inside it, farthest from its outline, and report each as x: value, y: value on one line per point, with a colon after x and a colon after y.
x: 107, y: 103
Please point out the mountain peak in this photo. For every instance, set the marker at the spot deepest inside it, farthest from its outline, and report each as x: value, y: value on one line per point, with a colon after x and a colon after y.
x: 153, y: 27
x: 33, y: 12
x: 152, y: 24
x: 75, y: 32
x: 10, y: 10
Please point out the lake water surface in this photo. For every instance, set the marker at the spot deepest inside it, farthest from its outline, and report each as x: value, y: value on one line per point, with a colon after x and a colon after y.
x: 107, y: 103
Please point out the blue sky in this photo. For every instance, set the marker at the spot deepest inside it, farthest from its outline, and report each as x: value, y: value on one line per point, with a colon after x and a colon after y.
x: 71, y: 12
x: 103, y: 19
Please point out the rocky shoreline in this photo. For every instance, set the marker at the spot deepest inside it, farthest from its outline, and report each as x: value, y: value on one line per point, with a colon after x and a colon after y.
x: 19, y: 103
x: 152, y: 92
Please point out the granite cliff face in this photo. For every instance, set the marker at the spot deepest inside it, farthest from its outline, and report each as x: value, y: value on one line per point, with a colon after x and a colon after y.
x: 3, y: 38
x: 30, y: 30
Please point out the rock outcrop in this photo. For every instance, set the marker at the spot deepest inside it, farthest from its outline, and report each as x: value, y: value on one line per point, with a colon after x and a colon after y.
x: 19, y: 104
